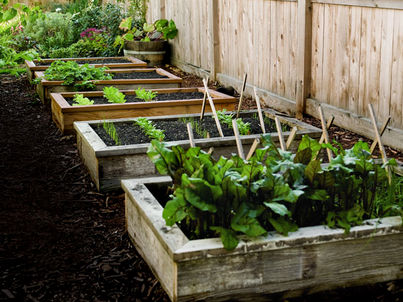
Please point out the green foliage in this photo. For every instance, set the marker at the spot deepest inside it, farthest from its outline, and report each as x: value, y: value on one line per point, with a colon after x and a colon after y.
x: 114, y: 95
x: 273, y: 190
x: 111, y: 130
x: 196, y: 126
x: 149, y: 129
x: 243, y: 128
x: 82, y: 76
x: 145, y: 95
x: 80, y: 100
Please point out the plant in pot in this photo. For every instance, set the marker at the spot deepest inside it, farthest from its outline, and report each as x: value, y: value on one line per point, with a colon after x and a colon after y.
x: 148, y: 42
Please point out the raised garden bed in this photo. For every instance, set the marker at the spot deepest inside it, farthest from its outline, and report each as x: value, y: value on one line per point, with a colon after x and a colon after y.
x: 111, y: 62
x: 167, y: 102
x: 124, y: 79
x: 272, y: 267
x: 109, y: 164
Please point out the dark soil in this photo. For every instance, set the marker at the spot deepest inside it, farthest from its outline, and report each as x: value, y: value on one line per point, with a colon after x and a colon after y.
x: 175, y: 130
x: 138, y: 75
x: 99, y: 61
x: 159, y: 97
x: 60, y: 240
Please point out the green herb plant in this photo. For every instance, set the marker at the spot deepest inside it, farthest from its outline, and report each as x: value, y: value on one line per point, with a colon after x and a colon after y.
x: 149, y: 129
x: 145, y: 95
x: 243, y: 128
x: 114, y: 95
x: 80, y: 100
x: 273, y: 190
x: 110, y: 129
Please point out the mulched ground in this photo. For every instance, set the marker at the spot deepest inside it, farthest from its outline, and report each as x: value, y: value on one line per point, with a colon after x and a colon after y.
x: 60, y: 240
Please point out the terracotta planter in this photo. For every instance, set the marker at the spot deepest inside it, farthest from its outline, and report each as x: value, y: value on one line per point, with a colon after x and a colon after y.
x: 64, y: 114
x: 152, y: 52
x: 35, y: 65
x: 265, y: 268
x: 45, y: 88
x: 108, y: 165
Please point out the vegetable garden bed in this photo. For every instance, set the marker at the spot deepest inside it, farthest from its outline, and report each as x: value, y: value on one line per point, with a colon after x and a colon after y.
x: 274, y: 266
x: 128, y: 79
x: 109, y: 164
x: 111, y: 62
x: 64, y: 114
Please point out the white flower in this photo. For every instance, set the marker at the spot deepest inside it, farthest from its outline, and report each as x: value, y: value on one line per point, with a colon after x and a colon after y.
x: 58, y: 9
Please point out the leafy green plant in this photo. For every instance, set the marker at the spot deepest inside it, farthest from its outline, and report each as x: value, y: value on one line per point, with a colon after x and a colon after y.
x: 273, y: 190
x: 149, y: 129
x: 80, y: 100
x: 243, y: 128
x: 145, y: 95
x: 114, y: 95
x: 110, y: 129
x: 70, y: 72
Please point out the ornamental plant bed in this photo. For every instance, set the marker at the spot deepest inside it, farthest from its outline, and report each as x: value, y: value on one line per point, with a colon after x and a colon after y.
x: 111, y: 62
x: 269, y: 211
x: 123, y: 79
x: 108, y: 164
x: 171, y: 101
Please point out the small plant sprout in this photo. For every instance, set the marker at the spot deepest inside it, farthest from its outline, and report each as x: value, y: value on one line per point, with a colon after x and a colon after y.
x: 80, y: 100
x: 145, y: 95
x: 243, y: 128
x: 149, y: 129
x: 111, y: 130
x: 114, y: 95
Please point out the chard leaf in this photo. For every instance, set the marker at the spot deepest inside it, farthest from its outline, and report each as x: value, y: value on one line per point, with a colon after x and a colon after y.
x: 245, y: 221
x: 317, y: 195
x: 303, y: 156
x: 325, y: 179
x: 278, y: 208
x: 282, y: 225
x: 163, y: 158
x: 228, y: 237
x: 200, y: 193
x: 309, y: 143
x: 174, y: 211
x: 312, y: 169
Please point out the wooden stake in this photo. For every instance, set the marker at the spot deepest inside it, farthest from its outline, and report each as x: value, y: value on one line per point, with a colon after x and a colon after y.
x: 259, y: 111
x: 191, y: 137
x: 378, y: 138
x: 252, y: 150
x: 204, y: 103
x: 325, y: 133
x: 238, y: 139
x: 291, y: 138
x: 280, y: 133
x: 213, y: 109
x: 383, y: 128
x: 241, y: 97
x: 328, y: 125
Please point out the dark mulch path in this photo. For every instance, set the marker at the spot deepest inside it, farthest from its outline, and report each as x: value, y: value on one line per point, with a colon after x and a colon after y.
x: 60, y: 240
x: 100, y: 61
x: 158, y: 97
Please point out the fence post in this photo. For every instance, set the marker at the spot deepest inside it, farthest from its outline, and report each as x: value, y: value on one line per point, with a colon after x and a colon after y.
x: 304, y: 52
x: 214, y: 53
x: 162, y: 9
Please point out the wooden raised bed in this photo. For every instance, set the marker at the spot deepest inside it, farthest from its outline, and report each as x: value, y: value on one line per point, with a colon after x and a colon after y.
x: 108, y: 165
x: 269, y: 268
x: 46, y: 87
x: 35, y: 65
x: 64, y: 114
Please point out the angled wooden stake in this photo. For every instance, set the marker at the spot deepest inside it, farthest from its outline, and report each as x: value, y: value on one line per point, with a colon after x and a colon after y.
x: 213, y: 109
x: 204, y: 103
x: 291, y: 138
x: 238, y: 139
x: 191, y: 137
x: 280, y: 133
x: 259, y: 111
x: 383, y: 128
x: 241, y: 96
x: 325, y: 133
x: 252, y: 149
x: 378, y: 138
x: 328, y: 125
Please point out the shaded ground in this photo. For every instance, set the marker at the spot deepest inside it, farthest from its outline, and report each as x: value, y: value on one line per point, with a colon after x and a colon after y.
x: 60, y: 240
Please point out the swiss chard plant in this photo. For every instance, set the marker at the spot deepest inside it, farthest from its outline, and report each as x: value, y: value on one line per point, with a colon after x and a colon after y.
x: 71, y: 73
x: 273, y: 190
x: 114, y: 95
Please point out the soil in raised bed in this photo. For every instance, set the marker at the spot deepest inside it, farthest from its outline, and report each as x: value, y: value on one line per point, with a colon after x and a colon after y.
x: 83, y: 61
x: 175, y: 130
x: 159, y: 97
x: 138, y: 75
